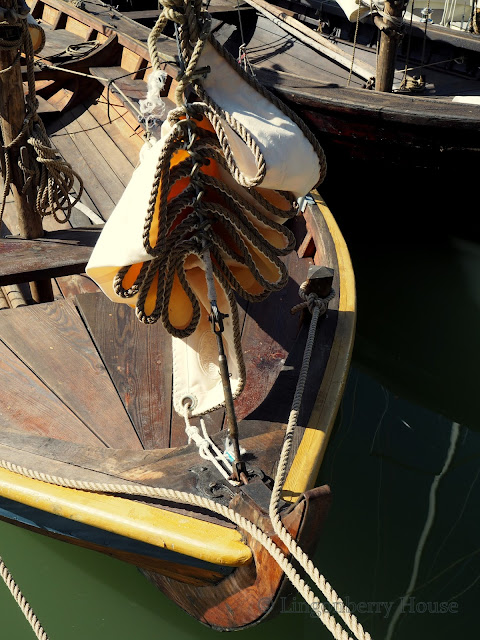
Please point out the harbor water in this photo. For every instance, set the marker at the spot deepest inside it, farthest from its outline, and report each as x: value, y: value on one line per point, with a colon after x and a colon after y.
x: 401, y: 544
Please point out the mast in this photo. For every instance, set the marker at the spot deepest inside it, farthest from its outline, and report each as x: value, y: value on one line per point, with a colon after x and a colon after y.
x: 12, y: 115
x: 391, y: 31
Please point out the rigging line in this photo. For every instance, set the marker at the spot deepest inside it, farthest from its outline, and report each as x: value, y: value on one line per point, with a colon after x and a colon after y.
x: 242, y: 49
x: 21, y: 601
x: 455, y: 431
x: 354, y: 47
x: 433, y: 64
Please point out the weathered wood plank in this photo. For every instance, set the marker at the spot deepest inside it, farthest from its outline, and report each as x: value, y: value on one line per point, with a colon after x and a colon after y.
x: 104, y: 187
x: 125, y: 139
x: 138, y: 358
x: 54, y: 343
x: 56, y: 254
x: 27, y: 404
x: 247, y: 595
x: 71, y: 286
x: 93, y: 157
x: 168, y: 468
x: 267, y: 338
x: 100, y: 139
x: 95, y: 196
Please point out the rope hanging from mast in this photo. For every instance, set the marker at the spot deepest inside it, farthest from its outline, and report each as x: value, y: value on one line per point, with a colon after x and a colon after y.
x: 49, y: 180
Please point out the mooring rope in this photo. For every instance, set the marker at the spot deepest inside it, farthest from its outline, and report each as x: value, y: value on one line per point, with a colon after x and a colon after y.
x: 22, y: 602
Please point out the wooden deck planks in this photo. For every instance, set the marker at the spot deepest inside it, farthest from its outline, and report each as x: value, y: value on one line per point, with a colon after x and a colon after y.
x: 139, y: 360
x: 95, y: 196
x: 53, y: 342
x: 267, y: 338
x: 114, y: 158
x: 28, y: 405
x: 123, y: 136
x: 102, y: 186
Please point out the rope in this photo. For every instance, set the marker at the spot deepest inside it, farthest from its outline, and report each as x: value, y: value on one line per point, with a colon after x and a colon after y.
x: 357, y: 24
x: 198, y: 501
x: 318, y: 307
x: 210, y: 221
x: 22, y: 603
x: 336, y: 629
x: 207, y: 449
x: 47, y: 175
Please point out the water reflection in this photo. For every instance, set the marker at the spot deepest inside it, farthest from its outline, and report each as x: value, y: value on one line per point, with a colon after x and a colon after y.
x: 402, y: 538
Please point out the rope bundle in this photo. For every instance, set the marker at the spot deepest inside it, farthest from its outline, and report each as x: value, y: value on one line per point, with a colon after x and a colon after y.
x: 47, y: 176
x: 192, y: 207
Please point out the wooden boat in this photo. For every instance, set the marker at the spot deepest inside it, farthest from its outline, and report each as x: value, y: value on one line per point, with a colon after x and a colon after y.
x: 86, y: 392
x: 426, y: 129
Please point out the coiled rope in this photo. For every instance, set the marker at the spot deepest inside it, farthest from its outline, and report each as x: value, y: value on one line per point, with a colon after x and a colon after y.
x: 47, y: 174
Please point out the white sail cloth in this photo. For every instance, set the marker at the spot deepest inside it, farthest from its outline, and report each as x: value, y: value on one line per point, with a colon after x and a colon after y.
x: 291, y: 165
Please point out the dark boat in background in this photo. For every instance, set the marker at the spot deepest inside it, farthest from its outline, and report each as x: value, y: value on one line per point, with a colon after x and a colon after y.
x: 420, y: 139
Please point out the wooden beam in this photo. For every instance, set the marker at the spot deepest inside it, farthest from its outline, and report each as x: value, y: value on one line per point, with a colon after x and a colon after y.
x: 390, y: 36
x: 12, y: 114
x: 58, y: 253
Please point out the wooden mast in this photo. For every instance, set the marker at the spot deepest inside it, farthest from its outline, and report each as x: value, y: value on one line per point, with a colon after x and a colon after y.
x: 390, y: 35
x: 12, y: 114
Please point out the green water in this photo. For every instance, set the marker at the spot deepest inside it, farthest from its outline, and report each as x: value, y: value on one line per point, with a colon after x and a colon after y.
x: 403, y: 464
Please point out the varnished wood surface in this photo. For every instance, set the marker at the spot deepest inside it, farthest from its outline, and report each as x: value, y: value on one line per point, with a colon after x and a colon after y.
x: 251, y: 592
x: 53, y: 342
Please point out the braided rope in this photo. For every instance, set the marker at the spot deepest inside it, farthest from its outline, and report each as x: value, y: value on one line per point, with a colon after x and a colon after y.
x: 22, y: 602
x: 171, y: 248
x: 318, y: 306
x: 46, y: 173
x: 180, y: 232
x: 252, y: 81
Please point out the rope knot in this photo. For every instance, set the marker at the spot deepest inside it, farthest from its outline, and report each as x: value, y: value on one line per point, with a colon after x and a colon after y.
x: 312, y: 301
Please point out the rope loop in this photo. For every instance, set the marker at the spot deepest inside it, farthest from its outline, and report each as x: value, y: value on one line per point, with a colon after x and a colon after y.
x: 312, y: 301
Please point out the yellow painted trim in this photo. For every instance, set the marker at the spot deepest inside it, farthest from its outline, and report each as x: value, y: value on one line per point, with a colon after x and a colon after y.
x: 306, y: 465
x: 183, y: 534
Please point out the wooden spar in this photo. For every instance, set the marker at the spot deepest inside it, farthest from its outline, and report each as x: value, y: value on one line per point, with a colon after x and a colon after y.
x: 389, y: 38
x: 12, y: 113
x: 312, y: 38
